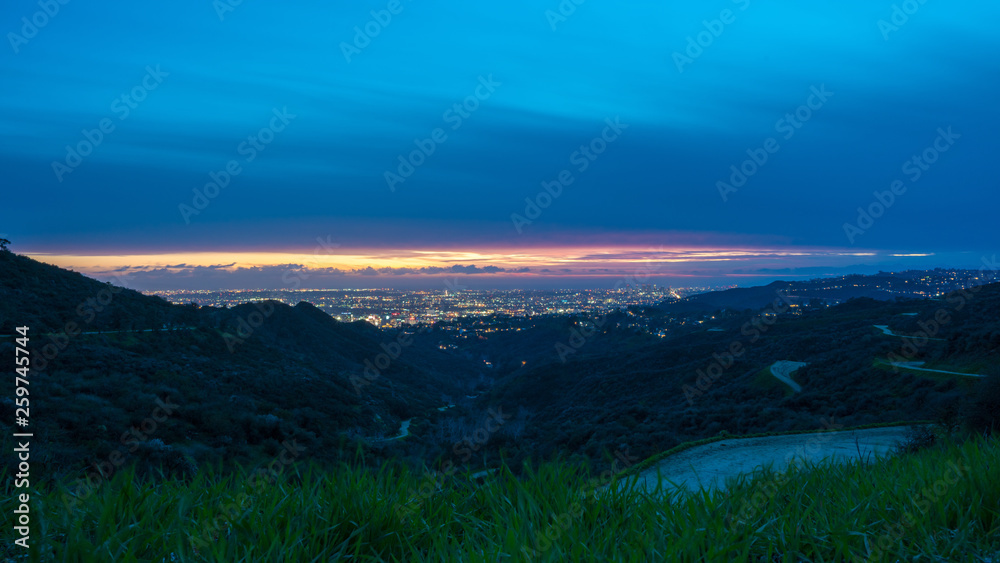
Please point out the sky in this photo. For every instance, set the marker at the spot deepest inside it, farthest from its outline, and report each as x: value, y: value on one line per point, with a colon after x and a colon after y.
x: 404, y: 143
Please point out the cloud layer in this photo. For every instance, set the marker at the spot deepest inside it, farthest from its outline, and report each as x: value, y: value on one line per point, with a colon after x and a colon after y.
x: 616, y: 123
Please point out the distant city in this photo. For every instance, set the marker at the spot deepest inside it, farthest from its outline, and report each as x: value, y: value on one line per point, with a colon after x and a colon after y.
x: 392, y: 308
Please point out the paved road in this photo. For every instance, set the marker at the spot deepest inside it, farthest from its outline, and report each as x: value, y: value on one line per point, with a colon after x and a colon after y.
x: 885, y: 330
x: 404, y: 426
x: 710, y: 465
x: 404, y: 431
x: 916, y: 366
x: 783, y: 371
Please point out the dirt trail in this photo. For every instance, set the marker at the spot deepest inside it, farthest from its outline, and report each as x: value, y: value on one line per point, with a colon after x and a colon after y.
x: 709, y: 465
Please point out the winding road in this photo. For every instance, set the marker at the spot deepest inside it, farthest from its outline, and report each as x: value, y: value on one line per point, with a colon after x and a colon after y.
x: 783, y: 370
x: 885, y: 330
x: 916, y: 366
x: 404, y: 427
x: 404, y: 430
x: 710, y: 465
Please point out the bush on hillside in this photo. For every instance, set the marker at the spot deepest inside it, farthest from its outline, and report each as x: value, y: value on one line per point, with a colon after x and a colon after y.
x: 983, y: 408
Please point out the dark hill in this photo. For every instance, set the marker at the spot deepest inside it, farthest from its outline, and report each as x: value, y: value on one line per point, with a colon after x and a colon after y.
x: 244, y: 379
x: 249, y: 378
x: 610, y: 393
x: 46, y: 297
x: 883, y: 286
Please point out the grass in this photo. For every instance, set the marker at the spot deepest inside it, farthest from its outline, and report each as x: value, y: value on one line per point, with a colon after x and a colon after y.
x: 765, y: 379
x: 913, y: 507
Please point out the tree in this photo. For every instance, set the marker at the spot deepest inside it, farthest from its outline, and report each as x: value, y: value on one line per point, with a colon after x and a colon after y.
x: 3, y: 243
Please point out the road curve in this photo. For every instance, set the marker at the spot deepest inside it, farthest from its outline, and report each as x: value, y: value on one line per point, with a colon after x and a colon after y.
x: 404, y: 431
x: 710, y: 465
x: 783, y: 369
x: 885, y: 330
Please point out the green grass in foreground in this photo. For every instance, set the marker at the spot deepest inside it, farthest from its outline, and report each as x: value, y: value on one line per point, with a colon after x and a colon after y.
x: 940, y: 504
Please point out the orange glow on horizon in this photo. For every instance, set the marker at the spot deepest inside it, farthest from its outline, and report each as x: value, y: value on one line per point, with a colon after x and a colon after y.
x: 586, y: 261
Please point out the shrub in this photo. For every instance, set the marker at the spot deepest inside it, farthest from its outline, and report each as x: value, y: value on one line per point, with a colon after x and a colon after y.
x: 983, y: 408
x: 917, y: 438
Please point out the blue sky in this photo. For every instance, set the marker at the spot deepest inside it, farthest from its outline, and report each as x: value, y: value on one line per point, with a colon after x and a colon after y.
x: 555, y: 82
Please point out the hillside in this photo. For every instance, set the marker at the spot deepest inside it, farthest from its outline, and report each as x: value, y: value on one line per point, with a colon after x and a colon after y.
x: 883, y: 286
x: 244, y: 380
x: 651, y: 394
x: 240, y: 381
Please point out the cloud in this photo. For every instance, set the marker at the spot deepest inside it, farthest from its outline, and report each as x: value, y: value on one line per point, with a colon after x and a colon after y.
x: 470, y: 269
x: 279, y: 276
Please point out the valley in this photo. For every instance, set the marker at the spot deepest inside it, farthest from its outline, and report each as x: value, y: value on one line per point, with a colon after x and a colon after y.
x: 487, y: 411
